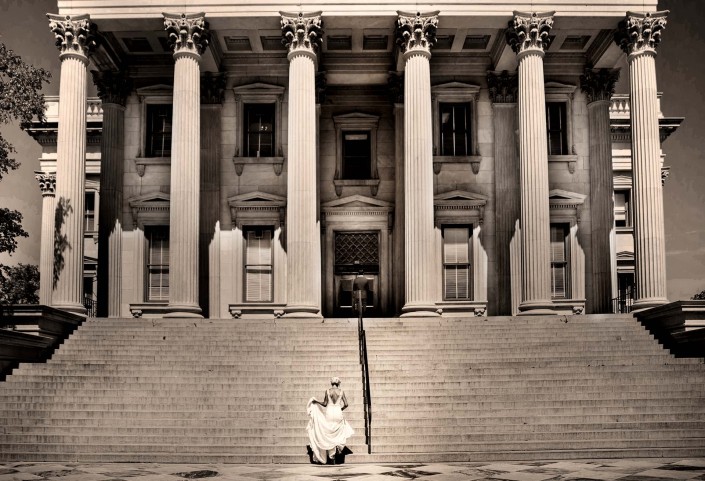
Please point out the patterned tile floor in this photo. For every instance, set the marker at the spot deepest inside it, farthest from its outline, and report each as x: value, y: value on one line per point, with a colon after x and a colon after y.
x: 595, y: 470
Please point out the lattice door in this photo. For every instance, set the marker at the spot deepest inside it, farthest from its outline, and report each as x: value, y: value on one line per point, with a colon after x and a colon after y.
x: 355, y: 250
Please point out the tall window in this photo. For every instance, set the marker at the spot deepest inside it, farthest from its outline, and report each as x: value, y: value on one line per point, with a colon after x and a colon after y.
x: 455, y: 129
x: 357, y: 155
x: 456, y: 263
x: 158, y: 130
x: 89, y: 224
x: 157, y: 263
x: 258, y: 265
x: 557, y: 128
x: 623, y: 208
x: 559, y: 261
x: 259, y: 130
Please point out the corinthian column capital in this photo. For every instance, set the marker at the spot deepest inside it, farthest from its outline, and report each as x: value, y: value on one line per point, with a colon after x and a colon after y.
x: 640, y: 32
x: 529, y: 32
x: 75, y: 36
x: 302, y: 32
x: 47, y: 182
x: 187, y: 34
x: 503, y: 87
x: 113, y: 87
x: 416, y: 32
x: 598, y: 84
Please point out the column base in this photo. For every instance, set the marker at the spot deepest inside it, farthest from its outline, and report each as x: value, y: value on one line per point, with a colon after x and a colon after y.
x: 537, y: 308
x: 302, y: 311
x: 420, y: 310
x: 644, y: 304
x: 176, y: 310
x: 79, y: 309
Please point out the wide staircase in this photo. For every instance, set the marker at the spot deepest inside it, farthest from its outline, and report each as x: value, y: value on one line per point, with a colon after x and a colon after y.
x: 178, y: 390
x: 530, y: 388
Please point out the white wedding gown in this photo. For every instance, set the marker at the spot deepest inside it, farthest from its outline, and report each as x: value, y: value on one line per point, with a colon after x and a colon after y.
x: 328, y: 430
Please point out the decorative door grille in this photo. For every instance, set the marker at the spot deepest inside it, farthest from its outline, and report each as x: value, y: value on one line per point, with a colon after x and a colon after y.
x: 355, y: 250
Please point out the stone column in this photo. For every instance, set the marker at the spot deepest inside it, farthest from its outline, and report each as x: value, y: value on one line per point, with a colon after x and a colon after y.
x: 302, y: 35
x: 75, y: 40
x: 503, y: 89
x: 599, y: 87
x: 47, y: 184
x: 528, y: 37
x: 188, y: 37
x: 416, y: 34
x: 396, y: 92
x: 113, y: 89
x: 212, y: 95
x: 639, y: 35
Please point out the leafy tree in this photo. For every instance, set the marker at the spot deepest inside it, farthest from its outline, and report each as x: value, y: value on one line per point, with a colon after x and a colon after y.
x: 20, y: 100
x: 19, y: 284
x: 699, y: 296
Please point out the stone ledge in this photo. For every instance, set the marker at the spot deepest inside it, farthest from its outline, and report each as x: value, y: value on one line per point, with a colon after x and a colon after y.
x: 679, y: 326
x: 256, y: 310
x: 149, y: 309
x: 462, y: 308
x: 276, y: 162
x: 373, y: 184
x: 141, y: 163
x: 571, y: 160
x: 473, y: 160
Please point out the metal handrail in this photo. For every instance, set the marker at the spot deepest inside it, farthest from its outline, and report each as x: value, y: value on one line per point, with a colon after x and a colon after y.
x: 362, y: 339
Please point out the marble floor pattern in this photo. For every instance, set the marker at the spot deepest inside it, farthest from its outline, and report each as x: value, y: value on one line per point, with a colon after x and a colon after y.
x: 593, y: 470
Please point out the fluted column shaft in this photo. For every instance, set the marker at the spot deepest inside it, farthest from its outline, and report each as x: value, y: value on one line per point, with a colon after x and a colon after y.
x: 47, y: 184
x: 112, y: 154
x: 187, y: 35
x: 639, y: 35
x: 647, y: 191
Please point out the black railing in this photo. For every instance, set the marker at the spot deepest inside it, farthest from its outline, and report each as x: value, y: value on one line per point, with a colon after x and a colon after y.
x: 622, y: 304
x: 90, y: 304
x: 365, y: 371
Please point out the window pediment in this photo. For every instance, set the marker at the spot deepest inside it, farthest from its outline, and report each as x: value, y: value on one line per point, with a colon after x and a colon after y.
x: 357, y: 201
x: 259, y: 89
x: 368, y: 120
x: 564, y: 198
x: 257, y: 207
x: 456, y: 91
x: 559, y: 88
x: 455, y: 204
x: 150, y: 209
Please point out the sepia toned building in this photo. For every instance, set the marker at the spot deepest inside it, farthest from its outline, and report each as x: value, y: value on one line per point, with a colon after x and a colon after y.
x: 250, y: 160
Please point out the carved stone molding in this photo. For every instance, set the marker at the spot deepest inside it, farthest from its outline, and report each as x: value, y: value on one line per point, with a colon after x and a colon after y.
x: 529, y: 31
x: 416, y: 32
x: 665, y: 172
x: 598, y: 84
x: 47, y: 182
x: 640, y: 32
x: 302, y: 32
x: 113, y: 87
x: 213, y: 88
x: 75, y: 36
x: 187, y: 33
x: 503, y: 87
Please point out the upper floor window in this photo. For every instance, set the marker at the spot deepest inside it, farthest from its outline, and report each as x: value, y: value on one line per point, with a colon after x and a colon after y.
x: 560, y: 267
x: 357, y: 155
x: 456, y: 263
x: 158, y: 130
x: 89, y: 216
x: 455, y: 129
x: 259, y: 131
x: 258, y: 265
x: 622, y: 208
x: 557, y: 127
x: 157, y: 263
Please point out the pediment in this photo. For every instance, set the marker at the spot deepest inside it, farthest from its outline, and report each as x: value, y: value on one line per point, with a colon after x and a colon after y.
x: 356, y: 118
x: 156, y: 89
x: 259, y: 88
x: 559, y: 88
x: 357, y: 201
x: 257, y: 199
x: 460, y: 197
x: 563, y: 197
x: 155, y: 199
x: 455, y: 87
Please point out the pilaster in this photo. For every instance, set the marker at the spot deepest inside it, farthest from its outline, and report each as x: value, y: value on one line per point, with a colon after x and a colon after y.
x: 396, y: 83
x: 75, y: 40
x: 416, y: 34
x: 528, y: 35
x: 503, y: 89
x: 113, y: 89
x: 301, y: 33
x: 639, y: 35
x: 599, y: 87
x: 47, y: 184
x: 188, y: 37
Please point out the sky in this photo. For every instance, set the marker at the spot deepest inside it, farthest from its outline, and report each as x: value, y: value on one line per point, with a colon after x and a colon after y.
x: 680, y: 73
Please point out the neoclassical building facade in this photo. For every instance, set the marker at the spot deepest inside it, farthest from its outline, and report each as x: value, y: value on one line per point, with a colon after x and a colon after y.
x: 250, y: 160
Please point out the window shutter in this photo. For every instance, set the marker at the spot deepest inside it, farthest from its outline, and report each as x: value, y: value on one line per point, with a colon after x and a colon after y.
x: 258, y: 269
x: 158, y: 285
x: 456, y: 262
x: 559, y: 264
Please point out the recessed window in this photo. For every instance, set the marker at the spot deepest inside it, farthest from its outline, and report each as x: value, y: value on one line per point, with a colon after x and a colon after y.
x: 622, y: 208
x: 456, y: 263
x: 455, y: 129
x: 557, y: 128
x: 157, y: 263
x: 357, y: 155
x: 158, y: 130
x: 259, y: 130
x: 258, y: 265
x: 559, y: 261
x: 89, y: 223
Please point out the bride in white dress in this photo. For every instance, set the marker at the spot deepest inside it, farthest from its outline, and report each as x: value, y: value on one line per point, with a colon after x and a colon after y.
x: 328, y: 431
